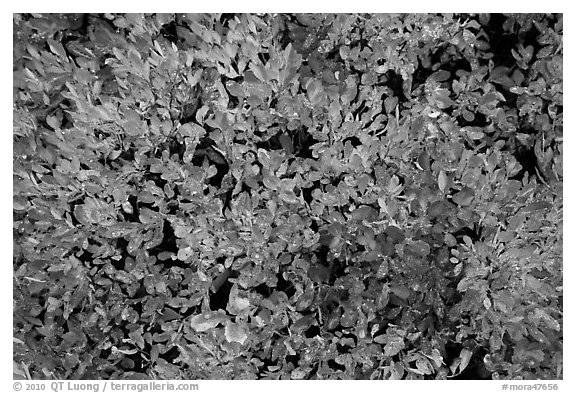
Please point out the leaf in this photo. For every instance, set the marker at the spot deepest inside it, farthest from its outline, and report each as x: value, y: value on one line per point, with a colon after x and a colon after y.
x: 442, y: 99
x: 390, y: 104
x: 488, y: 98
x: 235, y: 333
x: 381, y: 339
x: 436, y: 357
x: 382, y: 69
x: 463, y: 197
x: 259, y: 71
x: 319, y: 273
x: 207, y: 321
x: 364, y: 213
x: 394, y: 346
x: 423, y: 365
x: 440, y: 75
x: 288, y: 196
x: 418, y: 248
x: 315, y: 92
x: 237, y: 302
x: 550, y: 322
x: 333, y: 319
x: 395, y: 234
x: 465, y: 356
x: 401, y: 291
x: 185, y: 253
x: 286, y: 143
x: 536, y: 206
x: 57, y: 49
x: 53, y: 122
x: 240, y: 303
x: 235, y: 89
x: 442, y: 180
x: 416, y: 126
x: 19, y: 371
x: 500, y: 75
x: 302, y: 324
x: 475, y: 133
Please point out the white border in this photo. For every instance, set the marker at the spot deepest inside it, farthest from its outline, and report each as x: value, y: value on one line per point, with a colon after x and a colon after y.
x: 296, y: 6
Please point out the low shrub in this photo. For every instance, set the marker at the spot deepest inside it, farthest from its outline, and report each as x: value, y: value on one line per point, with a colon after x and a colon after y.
x: 280, y: 196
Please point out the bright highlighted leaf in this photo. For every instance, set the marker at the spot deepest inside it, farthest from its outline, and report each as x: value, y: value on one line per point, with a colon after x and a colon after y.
x: 235, y: 333
x: 442, y: 181
x: 207, y: 321
x: 465, y: 356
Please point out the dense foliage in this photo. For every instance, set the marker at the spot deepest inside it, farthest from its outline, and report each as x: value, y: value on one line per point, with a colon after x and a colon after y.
x: 288, y: 196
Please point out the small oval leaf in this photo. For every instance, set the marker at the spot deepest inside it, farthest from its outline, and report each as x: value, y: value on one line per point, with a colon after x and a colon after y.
x: 442, y: 181
x: 207, y: 321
